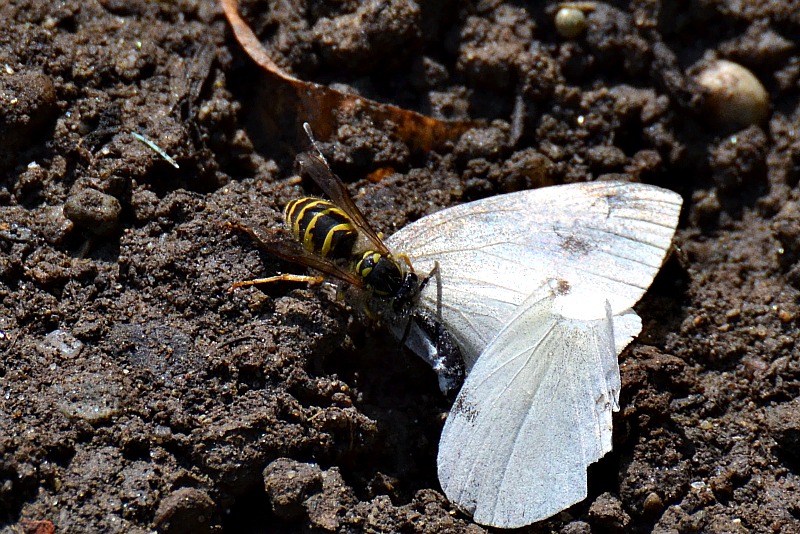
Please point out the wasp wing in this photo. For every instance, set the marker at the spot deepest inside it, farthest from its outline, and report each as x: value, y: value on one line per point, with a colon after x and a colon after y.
x: 533, y: 413
x: 332, y: 186
x: 280, y: 243
x: 605, y: 237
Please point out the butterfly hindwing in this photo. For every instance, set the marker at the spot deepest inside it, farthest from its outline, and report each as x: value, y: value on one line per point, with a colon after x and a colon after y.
x: 533, y: 413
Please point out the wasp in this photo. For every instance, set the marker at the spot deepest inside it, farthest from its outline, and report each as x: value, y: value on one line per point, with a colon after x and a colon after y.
x: 333, y: 237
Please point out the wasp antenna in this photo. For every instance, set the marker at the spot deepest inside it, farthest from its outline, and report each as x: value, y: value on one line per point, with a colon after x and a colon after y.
x: 310, y: 134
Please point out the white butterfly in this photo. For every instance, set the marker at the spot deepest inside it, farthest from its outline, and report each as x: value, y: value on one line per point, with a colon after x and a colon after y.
x: 537, y: 289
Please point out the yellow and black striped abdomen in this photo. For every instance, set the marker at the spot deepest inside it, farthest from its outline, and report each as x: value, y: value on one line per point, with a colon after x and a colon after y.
x: 321, y: 227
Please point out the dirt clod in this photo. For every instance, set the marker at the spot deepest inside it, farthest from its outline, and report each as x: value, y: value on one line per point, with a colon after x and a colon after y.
x: 289, y: 483
x: 185, y: 511
x: 93, y: 211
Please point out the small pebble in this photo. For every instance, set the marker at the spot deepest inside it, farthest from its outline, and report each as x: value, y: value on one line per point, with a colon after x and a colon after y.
x: 653, y: 505
x: 61, y: 344
x: 570, y: 22
x: 735, y: 98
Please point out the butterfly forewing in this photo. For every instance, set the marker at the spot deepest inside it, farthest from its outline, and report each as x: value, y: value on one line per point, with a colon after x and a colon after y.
x: 601, y: 237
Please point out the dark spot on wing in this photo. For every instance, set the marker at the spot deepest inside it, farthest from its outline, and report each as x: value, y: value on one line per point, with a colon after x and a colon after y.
x: 563, y: 288
x: 614, y: 199
x: 464, y: 408
x: 575, y: 245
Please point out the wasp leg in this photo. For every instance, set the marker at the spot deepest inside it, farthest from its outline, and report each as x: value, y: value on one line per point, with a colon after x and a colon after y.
x: 301, y: 278
x: 435, y: 272
x: 371, y: 314
x: 406, y: 331
x: 407, y: 260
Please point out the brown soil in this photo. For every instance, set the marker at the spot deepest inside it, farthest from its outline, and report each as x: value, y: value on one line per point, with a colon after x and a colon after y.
x: 137, y: 393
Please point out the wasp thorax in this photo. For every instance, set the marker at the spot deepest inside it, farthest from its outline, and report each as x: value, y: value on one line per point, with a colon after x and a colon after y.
x: 321, y: 227
x: 381, y: 274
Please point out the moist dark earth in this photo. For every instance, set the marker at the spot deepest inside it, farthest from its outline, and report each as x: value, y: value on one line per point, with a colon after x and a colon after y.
x: 138, y: 394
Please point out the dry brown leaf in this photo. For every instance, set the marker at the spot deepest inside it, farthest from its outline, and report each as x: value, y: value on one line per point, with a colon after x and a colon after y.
x: 317, y: 104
